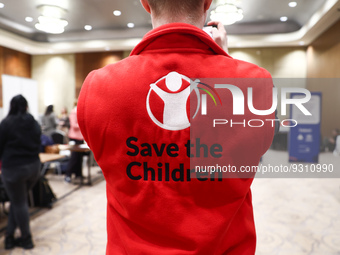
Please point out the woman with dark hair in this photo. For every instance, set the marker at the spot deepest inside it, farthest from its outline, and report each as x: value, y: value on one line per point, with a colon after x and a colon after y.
x: 48, y: 121
x: 19, y: 152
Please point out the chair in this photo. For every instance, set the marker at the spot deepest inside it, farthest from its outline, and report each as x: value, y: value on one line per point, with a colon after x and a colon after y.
x: 46, y: 166
x: 58, y: 137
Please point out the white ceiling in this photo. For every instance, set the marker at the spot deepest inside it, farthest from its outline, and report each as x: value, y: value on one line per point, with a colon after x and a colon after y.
x: 261, y: 26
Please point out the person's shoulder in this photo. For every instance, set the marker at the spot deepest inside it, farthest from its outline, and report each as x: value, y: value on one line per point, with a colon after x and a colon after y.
x: 251, y: 70
x: 8, y: 119
x: 109, y: 74
x: 28, y: 118
x: 114, y: 67
x: 4, y: 122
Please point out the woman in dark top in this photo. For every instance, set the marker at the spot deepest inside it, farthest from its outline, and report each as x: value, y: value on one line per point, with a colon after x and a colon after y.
x: 19, y: 151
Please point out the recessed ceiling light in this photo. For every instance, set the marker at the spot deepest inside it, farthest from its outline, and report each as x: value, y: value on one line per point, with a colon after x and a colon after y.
x: 88, y: 27
x: 301, y: 43
x: 2, y: 5
x: 131, y: 25
x: 107, y: 48
x: 29, y: 19
x: 117, y: 13
x: 292, y: 4
x: 284, y: 18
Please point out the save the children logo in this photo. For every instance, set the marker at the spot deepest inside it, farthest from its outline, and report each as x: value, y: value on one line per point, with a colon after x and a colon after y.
x: 174, y: 113
x: 168, y: 102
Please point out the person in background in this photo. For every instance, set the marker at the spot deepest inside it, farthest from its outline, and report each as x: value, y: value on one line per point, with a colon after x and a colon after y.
x: 75, y: 137
x: 330, y: 142
x: 19, y: 151
x: 64, y: 121
x: 48, y: 121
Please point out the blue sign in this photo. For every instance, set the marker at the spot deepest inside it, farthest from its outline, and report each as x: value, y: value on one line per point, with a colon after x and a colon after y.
x: 304, y: 139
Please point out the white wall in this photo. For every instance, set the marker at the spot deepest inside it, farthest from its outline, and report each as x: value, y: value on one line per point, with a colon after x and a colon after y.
x: 56, y: 73
x: 280, y: 62
x: 288, y: 66
x: 56, y: 80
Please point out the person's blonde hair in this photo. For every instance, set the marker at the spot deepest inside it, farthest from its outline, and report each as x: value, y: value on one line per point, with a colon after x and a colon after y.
x: 192, y: 9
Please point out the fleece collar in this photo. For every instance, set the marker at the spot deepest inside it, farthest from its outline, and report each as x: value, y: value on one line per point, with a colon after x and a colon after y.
x: 182, y: 29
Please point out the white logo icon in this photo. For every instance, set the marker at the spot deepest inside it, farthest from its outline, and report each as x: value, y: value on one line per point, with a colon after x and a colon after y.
x: 175, y: 115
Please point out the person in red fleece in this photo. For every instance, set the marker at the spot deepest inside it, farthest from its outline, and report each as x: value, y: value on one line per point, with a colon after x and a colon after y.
x: 141, y: 120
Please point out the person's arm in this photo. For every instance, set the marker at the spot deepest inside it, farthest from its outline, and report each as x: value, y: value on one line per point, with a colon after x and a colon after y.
x: 3, y: 138
x: 219, y: 34
x: 158, y: 91
x: 54, y: 120
x: 67, y: 122
x: 74, y: 120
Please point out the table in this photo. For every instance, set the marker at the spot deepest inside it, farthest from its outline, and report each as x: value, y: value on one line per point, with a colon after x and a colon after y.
x: 47, y: 158
x: 80, y: 148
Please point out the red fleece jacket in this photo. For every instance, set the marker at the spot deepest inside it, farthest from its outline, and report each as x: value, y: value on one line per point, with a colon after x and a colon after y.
x: 138, y: 117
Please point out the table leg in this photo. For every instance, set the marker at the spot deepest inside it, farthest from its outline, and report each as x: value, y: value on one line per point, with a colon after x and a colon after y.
x: 89, y: 163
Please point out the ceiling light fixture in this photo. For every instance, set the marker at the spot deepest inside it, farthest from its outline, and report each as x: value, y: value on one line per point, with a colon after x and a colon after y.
x: 284, y: 18
x: 2, y: 5
x: 88, y: 27
x: 29, y: 19
x: 51, y: 21
x: 227, y: 12
x: 131, y: 25
x: 117, y: 13
x: 292, y: 4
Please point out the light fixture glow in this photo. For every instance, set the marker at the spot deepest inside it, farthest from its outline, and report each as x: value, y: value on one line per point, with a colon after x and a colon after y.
x: 284, y: 18
x: 227, y: 12
x: 292, y: 4
x: 117, y: 13
x: 2, y: 5
x: 51, y: 11
x: 51, y: 21
x: 88, y: 27
x: 29, y: 19
x: 51, y: 25
x: 131, y: 25
x: 301, y: 43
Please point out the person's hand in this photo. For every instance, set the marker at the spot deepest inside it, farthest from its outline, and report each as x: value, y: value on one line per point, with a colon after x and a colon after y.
x: 219, y: 34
